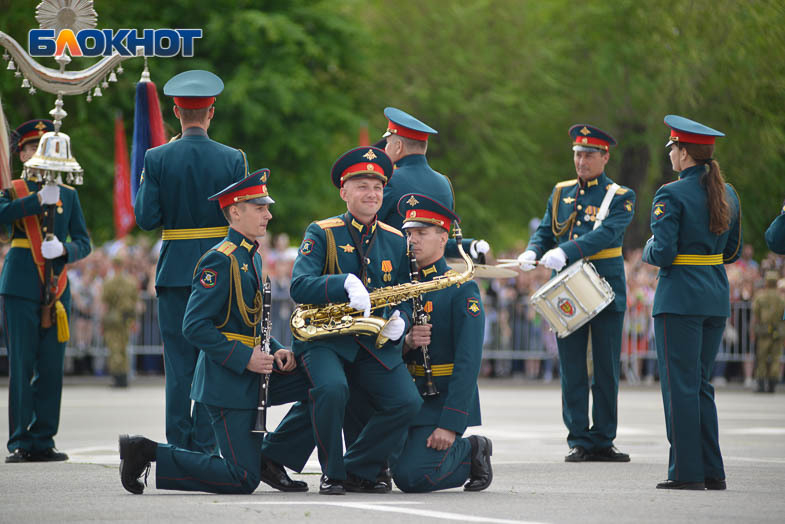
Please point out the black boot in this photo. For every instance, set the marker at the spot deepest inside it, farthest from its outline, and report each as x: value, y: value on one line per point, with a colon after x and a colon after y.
x: 481, y: 474
x: 761, y: 386
x: 385, y: 477
x: 357, y: 484
x: 136, y: 454
x: 770, y: 385
x: 274, y: 475
x: 328, y: 486
x: 120, y: 381
x: 48, y: 455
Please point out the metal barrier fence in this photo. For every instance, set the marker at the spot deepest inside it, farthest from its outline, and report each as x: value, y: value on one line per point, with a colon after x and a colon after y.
x: 516, y: 338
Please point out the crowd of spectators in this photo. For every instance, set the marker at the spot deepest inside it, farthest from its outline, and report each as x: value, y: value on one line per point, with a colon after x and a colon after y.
x: 517, y: 340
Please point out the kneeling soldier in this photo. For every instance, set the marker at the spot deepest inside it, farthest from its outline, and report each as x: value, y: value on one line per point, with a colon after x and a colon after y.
x: 230, y: 363
x: 436, y: 456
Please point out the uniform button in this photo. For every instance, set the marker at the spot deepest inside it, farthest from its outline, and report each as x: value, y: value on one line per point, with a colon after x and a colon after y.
x: 369, y: 280
x: 575, y: 236
x: 583, y: 192
x: 578, y: 222
x: 580, y: 207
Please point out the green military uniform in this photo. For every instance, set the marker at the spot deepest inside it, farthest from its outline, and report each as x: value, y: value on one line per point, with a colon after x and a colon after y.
x: 376, y: 253
x: 775, y: 234
x: 176, y: 181
x: 767, y: 305
x: 120, y: 295
x: 35, y: 354
x: 568, y: 223
x: 414, y: 174
x: 690, y: 308
x: 458, y: 323
x: 223, y: 320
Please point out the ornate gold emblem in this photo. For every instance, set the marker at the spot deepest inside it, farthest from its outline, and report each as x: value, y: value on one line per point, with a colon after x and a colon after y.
x: 245, y: 267
x: 584, y: 140
x: 585, y: 131
x: 413, y: 214
x: 348, y: 248
x: 412, y: 201
x: 568, y: 200
x: 370, y: 155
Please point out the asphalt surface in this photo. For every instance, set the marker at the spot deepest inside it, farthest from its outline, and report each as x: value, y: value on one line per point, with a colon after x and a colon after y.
x: 532, y: 483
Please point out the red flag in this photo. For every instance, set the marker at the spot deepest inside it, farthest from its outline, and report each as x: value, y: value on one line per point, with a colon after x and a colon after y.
x: 123, y: 211
x: 362, y: 136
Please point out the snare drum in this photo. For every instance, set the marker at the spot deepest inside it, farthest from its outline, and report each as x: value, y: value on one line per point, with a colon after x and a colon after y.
x: 572, y: 298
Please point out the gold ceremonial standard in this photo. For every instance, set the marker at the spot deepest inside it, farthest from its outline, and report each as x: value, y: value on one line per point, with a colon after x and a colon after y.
x: 315, y: 322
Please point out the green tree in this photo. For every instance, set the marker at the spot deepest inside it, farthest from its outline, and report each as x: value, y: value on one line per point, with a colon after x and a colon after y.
x: 287, y: 67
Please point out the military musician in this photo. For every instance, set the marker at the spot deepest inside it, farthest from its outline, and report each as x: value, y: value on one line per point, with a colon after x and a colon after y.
x: 565, y: 235
x: 437, y: 455
x: 36, y: 332
x: 222, y: 319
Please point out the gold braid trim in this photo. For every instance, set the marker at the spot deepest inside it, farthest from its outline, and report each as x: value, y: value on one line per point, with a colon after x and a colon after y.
x: 331, y: 266
x: 235, y: 287
x: 559, y: 228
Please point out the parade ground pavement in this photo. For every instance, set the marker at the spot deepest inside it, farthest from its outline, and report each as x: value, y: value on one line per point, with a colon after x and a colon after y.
x: 532, y: 483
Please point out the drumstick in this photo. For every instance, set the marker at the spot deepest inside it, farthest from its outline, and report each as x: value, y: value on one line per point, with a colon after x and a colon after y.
x: 509, y: 262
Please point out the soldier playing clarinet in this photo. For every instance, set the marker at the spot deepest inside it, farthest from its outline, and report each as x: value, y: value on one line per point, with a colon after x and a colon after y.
x: 223, y: 320
x: 436, y: 455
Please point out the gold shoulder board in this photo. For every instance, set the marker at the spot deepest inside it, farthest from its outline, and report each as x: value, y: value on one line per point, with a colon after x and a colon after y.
x: 329, y: 222
x: 389, y: 228
x: 226, y: 247
x: 567, y: 183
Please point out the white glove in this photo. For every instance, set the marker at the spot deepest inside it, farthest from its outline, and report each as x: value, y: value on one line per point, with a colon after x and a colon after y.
x: 52, y: 248
x: 526, y: 260
x: 50, y: 194
x: 393, y: 330
x: 358, y: 295
x: 556, y: 258
x: 477, y: 247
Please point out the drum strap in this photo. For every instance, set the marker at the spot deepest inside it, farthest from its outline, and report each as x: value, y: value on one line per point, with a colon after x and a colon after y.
x: 602, y: 214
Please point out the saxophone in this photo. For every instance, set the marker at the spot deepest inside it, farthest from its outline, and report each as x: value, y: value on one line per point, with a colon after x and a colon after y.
x: 318, y: 321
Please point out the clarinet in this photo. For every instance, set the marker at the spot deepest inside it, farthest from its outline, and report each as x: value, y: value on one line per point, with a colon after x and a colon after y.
x: 421, y: 318
x: 264, y: 382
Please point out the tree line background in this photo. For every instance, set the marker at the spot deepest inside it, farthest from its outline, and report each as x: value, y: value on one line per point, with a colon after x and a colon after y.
x: 502, y: 81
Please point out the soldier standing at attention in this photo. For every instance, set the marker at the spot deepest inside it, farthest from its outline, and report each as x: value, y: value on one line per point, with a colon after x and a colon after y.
x: 696, y: 228
x: 120, y: 296
x: 768, y: 332
x: 565, y: 235
x: 436, y: 455
x: 223, y: 319
x: 36, y: 352
x: 177, y: 179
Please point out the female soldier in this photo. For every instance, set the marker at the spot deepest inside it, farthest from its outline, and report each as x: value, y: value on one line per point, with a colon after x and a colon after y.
x: 696, y: 229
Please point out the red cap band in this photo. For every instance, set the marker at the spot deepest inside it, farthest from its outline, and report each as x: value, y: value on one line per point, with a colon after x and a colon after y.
x: 590, y: 141
x: 395, y: 129
x: 194, y: 102
x: 363, y: 168
x: 27, y: 137
x: 248, y: 193
x: 421, y: 215
x: 691, y: 138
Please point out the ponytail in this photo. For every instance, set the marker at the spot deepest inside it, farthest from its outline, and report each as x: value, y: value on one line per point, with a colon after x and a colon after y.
x: 713, y: 181
x: 719, y: 209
